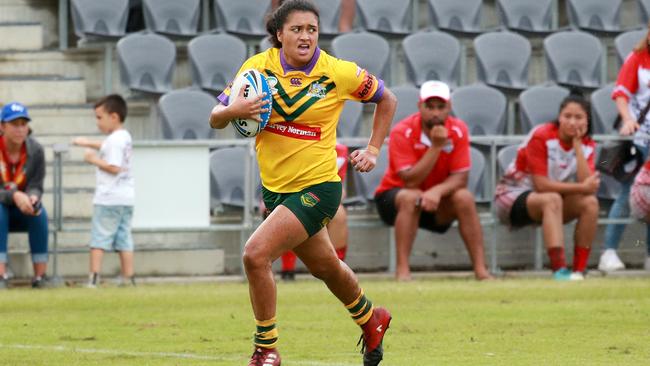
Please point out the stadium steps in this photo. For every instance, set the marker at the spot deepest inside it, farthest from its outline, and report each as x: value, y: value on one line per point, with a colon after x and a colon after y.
x: 43, y: 12
x: 51, y: 89
x: 48, y: 62
x: 21, y: 36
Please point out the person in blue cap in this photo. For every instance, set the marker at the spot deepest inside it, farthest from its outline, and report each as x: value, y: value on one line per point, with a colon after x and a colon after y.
x: 22, y: 170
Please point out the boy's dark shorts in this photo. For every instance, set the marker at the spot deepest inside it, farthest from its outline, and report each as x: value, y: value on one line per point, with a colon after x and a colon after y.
x: 385, y: 202
x: 314, y: 206
x: 519, y: 216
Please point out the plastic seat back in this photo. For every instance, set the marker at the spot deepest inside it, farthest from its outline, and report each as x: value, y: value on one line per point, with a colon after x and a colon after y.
x: 215, y: 60
x: 423, y: 65
x: 184, y: 114
x: 147, y: 62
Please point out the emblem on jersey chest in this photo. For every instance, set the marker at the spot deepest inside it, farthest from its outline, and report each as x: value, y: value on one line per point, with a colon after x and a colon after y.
x: 316, y: 90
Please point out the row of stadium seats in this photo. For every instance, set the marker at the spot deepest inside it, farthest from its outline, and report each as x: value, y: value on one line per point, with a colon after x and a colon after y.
x: 484, y: 109
x: 572, y: 58
x: 227, y: 177
x: 180, y: 18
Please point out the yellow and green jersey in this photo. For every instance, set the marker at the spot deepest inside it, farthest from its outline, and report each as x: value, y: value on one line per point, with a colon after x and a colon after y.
x: 297, y: 148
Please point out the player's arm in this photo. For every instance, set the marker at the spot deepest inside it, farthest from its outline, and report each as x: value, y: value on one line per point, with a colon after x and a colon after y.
x: 239, y: 108
x: 364, y: 160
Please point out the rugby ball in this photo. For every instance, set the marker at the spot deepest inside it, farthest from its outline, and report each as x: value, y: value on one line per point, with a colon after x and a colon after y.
x: 254, y: 83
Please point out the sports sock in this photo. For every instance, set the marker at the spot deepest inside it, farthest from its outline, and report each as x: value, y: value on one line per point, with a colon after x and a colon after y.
x: 266, y: 335
x: 340, y: 252
x: 288, y: 261
x: 556, y: 254
x: 360, y: 309
x: 580, y: 257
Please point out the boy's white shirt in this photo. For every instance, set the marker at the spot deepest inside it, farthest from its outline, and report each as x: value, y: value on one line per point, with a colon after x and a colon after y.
x: 115, y: 189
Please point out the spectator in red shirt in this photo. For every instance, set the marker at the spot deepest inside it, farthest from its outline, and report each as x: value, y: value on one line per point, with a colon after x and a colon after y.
x: 553, y: 181
x: 425, y: 184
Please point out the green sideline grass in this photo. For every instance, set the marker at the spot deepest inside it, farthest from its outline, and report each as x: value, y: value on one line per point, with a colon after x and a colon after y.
x: 435, y: 322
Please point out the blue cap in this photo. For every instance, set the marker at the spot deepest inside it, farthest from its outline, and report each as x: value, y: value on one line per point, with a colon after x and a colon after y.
x: 15, y: 110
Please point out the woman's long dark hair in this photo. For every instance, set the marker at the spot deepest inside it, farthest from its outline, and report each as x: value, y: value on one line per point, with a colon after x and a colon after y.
x: 276, y: 19
x: 577, y: 97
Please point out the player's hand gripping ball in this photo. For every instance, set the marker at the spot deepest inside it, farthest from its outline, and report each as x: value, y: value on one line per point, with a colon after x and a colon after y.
x: 254, y: 84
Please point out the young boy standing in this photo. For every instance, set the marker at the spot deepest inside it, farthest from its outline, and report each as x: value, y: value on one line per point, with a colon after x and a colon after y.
x: 114, y: 194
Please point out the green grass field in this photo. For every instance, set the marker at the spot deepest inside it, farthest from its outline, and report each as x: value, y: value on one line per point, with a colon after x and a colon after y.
x: 435, y: 322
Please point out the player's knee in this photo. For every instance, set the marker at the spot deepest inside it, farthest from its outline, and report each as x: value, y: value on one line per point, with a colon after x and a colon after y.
x: 254, y: 258
x: 324, y: 270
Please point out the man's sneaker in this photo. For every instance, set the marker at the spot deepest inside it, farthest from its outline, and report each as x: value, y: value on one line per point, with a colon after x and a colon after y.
x: 646, y: 266
x: 265, y: 357
x: 577, y: 276
x: 373, y: 336
x: 610, y: 262
x: 288, y: 275
x: 40, y: 282
x: 562, y: 274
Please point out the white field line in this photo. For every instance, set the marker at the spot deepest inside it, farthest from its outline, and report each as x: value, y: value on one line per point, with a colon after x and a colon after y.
x: 190, y: 356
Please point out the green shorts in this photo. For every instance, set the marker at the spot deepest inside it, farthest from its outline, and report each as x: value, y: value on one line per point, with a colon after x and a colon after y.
x: 314, y: 206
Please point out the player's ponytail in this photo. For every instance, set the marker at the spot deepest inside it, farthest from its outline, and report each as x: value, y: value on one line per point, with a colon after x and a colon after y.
x: 275, y: 20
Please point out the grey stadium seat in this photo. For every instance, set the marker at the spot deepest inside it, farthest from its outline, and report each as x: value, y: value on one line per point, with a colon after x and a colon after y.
x: 482, y: 108
x: 329, y: 11
x: 350, y: 120
x: 146, y: 62
x: 185, y: 114
x: 407, y: 102
x: 386, y: 16
x: 265, y: 44
x: 463, y: 17
x: 368, y: 50
x: 502, y: 60
x: 625, y: 42
x: 540, y: 104
x: 596, y: 16
x: 574, y: 58
x: 215, y: 60
x: 172, y: 17
x: 227, y: 175
x: 531, y: 17
x: 506, y: 156
x: 644, y: 11
x: 423, y: 65
x: 367, y: 183
x: 476, y: 180
x: 244, y: 18
x: 100, y: 19
x: 603, y: 110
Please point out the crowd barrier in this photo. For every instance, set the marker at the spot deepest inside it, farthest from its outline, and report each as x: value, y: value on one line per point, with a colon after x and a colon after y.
x: 250, y: 219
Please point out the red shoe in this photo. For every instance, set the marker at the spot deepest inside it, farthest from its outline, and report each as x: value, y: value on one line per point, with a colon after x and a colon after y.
x: 373, y: 335
x: 265, y: 357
